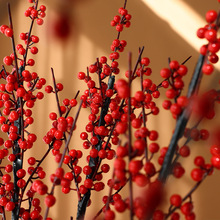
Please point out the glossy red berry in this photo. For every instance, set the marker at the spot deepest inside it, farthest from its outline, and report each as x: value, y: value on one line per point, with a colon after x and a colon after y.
x: 211, y: 16
x: 8, y: 60
x: 9, y: 206
x: 215, y: 161
x: 8, y: 32
x: 49, y: 200
x: 211, y: 35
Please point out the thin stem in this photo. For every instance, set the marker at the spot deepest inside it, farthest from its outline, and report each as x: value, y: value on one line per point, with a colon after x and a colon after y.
x: 56, y: 94
x: 110, y: 192
x: 188, y: 194
x: 34, y: 171
x: 67, y: 113
x: 100, y: 81
x: 144, y: 119
x: 13, y: 41
x: 18, y: 163
x: 137, y: 62
x: 125, y: 4
x: 130, y: 138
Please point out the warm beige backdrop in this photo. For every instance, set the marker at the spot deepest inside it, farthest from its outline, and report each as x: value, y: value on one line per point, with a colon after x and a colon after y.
x: 91, y: 37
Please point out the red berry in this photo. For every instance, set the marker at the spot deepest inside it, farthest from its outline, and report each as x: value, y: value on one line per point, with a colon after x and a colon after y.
x: 187, y: 208
x: 178, y: 171
x: 215, y: 161
x: 8, y: 60
x: 9, y: 206
x: 8, y: 32
x: 120, y: 205
x: 207, y: 69
x: 109, y: 215
x: 174, y: 64
x: 139, y: 96
x: 135, y: 166
x: 34, y: 50
x: 175, y: 200
x: 211, y: 35
x: 197, y: 174
x: 40, y: 21
x: 145, y: 61
x: 2, y: 28
x: 88, y: 183
x: 211, y: 16
x: 165, y: 73
x: 184, y: 151
x: 201, y: 33
x: 49, y: 200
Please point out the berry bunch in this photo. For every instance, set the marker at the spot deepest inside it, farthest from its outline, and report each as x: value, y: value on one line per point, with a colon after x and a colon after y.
x: 115, y: 114
x: 209, y: 32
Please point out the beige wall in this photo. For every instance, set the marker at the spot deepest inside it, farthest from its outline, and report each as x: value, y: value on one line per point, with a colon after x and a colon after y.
x: 91, y: 37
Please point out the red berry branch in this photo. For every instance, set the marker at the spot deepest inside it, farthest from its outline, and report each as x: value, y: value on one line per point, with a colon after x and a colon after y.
x: 117, y: 129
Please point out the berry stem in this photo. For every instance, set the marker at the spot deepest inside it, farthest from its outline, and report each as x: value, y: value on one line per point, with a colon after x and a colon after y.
x: 34, y: 171
x: 67, y: 113
x: 13, y: 41
x: 130, y: 138
x: 55, y: 90
x: 138, y: 60
x: 188, y: 195
x: 186, y: 142
x: 144, y: 119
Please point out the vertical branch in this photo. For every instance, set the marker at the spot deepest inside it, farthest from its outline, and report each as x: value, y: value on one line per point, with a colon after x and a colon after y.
x: 13, y: 41
x: 130, y: 138
x: 181, y: 122
x: 17, y: 164
x: 94, y: 162
x: 144, y: 118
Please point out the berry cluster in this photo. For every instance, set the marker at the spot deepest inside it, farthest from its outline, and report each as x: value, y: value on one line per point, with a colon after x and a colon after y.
x: 209, y: 32
x: 116, y: 113
x: 19, y: 90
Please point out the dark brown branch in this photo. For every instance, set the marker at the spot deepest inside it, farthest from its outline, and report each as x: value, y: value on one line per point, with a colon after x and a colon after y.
x: 181, y: 122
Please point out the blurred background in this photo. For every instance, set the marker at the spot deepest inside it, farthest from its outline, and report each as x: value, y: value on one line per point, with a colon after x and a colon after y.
x: 76, y: 32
